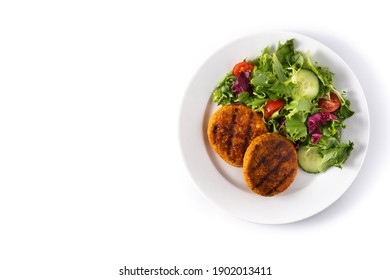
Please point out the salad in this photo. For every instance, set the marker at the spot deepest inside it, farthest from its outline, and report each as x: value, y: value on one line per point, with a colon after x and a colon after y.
x: 297, y: 99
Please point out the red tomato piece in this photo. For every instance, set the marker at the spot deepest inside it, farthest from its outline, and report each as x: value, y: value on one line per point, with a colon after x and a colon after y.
x: 329, y: 105
x: 272, y: 106
x: 242, y: 66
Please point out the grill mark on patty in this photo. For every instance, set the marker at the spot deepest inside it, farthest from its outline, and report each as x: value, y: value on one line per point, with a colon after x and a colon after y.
x: 266, y: 156
x: 289, y: 174
x: 275, y: 169
x: 231, y: 132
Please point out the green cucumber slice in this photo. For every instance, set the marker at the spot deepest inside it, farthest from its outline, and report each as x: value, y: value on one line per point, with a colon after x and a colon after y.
x: 309, y: 85
x: 309, y: 159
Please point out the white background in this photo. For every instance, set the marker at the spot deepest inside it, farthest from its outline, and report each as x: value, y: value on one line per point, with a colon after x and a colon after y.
x: 91, y: 176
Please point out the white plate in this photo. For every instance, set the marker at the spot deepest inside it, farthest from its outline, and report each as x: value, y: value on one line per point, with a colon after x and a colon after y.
x: 224, y: 184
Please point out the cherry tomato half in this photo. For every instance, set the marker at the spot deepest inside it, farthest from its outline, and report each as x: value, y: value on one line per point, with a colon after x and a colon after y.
x: 272, y: 106
x: 242, y: 66
x: 329, y: 105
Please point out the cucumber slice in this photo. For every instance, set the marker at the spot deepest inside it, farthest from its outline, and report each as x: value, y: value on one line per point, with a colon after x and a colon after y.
x: 309, y: 85
x: 309, y: 159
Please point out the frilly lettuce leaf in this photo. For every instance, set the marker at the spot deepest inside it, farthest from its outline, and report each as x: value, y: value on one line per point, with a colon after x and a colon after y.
x: 295, y: 127
x: 224, y: 94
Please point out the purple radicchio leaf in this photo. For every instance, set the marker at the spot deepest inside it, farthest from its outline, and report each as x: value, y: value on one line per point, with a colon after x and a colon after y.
x: 241, y: 84
x: 314, y: 123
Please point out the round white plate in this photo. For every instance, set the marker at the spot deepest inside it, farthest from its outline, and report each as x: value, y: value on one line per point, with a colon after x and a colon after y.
x: 224, y: 184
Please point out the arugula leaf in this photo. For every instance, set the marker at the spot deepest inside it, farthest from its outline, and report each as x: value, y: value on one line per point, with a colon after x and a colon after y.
x: 278, y: 69
x: 335, y: 156
x: 345, y: 111
x: 285, y: 52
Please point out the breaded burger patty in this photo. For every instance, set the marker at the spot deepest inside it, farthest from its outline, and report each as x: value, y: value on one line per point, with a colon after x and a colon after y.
x: 270, y: 164
x: 231, y: 129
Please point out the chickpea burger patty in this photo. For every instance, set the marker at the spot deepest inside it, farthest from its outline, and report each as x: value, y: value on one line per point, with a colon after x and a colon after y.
x: 270, y: 164
x: 231, y: 129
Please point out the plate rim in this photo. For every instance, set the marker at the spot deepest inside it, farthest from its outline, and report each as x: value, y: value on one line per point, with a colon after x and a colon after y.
x: 182, y: 121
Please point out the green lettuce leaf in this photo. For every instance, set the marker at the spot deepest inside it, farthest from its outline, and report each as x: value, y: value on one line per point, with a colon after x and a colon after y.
x: 335, y: 156
x: 296, y: 128
x: 298, y: 105
x: 224, y: 94
x: 253, y: 101
x: 278, y: 69
x: 285, y: 53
